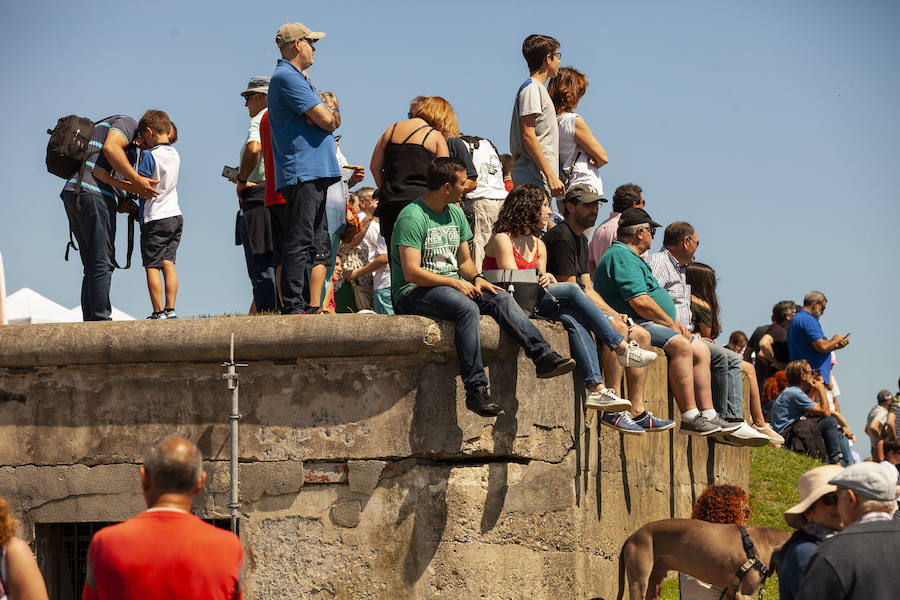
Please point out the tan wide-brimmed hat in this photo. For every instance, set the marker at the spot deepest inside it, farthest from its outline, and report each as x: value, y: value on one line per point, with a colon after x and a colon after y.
x: 812, y: 485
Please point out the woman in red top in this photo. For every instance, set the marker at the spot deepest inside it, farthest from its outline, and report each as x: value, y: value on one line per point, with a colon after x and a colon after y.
x: 516, y: 244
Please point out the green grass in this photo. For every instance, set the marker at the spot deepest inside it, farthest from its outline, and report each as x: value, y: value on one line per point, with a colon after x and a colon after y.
x: 773, y: 489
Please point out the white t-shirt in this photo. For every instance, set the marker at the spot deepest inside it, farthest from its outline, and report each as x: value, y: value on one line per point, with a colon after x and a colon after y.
x: 880, y: 414
x: 374, y: 245
x: 161, y: 163
x: 582, y: 171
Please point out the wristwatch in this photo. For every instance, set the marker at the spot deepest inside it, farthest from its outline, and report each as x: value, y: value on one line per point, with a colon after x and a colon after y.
x: 476, y: 276
x: 241, y: 180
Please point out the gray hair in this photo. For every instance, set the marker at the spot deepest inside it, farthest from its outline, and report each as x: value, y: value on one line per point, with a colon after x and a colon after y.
x: 629, y: 232
x: 173, y: 465
x: 813, y: 297
x: 866, y: 505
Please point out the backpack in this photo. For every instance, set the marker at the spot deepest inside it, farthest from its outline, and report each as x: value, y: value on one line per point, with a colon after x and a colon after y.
x: 803, y: 436
x: 69, y: 145
x: 486, y: 159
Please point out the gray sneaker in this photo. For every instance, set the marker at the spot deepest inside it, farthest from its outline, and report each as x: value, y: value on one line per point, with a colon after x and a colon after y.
x: 699, y: 425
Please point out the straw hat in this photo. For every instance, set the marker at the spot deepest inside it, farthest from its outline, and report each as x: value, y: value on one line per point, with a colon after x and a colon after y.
x: 812, y: 485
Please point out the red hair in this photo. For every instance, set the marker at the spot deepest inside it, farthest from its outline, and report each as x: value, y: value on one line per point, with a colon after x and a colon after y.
x: 7, y: 523
x: 723, y: 504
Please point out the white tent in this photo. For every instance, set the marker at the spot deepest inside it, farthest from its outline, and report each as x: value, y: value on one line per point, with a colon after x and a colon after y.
x: 28, y: 306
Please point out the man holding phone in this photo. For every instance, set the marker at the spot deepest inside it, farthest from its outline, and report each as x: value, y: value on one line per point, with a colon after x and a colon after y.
x: 807, y: 341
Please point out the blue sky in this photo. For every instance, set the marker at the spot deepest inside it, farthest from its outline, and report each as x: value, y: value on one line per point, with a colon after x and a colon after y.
x: 771, y: 126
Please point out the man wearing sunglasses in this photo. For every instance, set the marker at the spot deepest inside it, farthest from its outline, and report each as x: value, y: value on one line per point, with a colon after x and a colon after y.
x: 626, y: 283
x: 305, y: 162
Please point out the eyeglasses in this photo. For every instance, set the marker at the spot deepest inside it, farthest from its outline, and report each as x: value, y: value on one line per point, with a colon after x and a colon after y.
x: 829, y: 499
x: 652, y: 231
x: 557, y: 55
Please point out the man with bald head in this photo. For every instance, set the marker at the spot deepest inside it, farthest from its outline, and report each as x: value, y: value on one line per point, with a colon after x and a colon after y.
x: 166, y: 552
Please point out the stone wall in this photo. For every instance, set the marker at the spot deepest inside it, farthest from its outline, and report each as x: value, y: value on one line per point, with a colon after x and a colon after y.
x: 362, y: 473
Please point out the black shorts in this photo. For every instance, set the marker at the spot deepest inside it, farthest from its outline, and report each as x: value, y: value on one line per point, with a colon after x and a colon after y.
x: 159, y: 241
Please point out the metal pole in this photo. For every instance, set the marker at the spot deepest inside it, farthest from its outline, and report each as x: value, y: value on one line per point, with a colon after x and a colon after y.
x: 232, y: 382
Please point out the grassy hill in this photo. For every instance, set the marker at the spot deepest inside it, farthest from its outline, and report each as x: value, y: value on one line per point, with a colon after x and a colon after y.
x: 773, y: 489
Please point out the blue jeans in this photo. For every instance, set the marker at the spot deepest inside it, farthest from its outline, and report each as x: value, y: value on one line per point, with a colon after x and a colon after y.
x: 727, y: 385
x: 305, y: 241
x: 444, y: 302
x: 659, y: 334
x: 381, y: 301
x: 580, y: 316
x: 94, y: 227
x: 835, y: 442
x: 261, y: 270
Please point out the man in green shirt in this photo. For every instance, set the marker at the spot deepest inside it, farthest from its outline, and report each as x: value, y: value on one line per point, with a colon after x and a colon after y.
x: 433, y: 275
x: 627, y: 284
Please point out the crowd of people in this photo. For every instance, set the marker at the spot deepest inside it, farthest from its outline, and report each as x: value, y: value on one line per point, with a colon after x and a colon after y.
x: 455, y: 230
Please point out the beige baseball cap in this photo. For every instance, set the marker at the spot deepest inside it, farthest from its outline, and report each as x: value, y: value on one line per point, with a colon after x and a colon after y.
x: 289, y: 32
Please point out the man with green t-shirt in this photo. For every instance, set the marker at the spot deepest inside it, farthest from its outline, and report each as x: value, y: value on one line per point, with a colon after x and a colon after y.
x: 433, y: 275
x: 627, y: 284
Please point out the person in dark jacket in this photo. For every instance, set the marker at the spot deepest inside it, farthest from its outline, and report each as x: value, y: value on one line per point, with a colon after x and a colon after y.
x: 860, y: 562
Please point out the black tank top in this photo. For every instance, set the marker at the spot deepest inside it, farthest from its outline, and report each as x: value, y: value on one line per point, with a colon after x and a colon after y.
x: 405, y: 167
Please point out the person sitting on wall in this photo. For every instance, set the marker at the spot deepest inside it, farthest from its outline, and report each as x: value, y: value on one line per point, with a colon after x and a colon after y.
x: 433, y: 275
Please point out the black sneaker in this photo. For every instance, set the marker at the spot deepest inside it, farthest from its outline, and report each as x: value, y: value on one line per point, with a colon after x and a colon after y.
x: 478, y: 400
x: 552, y: 365
x: 157, y: 315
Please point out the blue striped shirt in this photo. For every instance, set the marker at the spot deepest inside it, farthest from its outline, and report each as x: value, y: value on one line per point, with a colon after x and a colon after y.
x: 124, y: 125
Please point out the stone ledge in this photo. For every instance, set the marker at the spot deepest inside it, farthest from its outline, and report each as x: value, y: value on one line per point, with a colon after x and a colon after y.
x: 269, y: 337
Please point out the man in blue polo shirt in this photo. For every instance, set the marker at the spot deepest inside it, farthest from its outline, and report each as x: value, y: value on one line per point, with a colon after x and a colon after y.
x: 305, y: 161
x: 806, y: 340
x: 91, y: 208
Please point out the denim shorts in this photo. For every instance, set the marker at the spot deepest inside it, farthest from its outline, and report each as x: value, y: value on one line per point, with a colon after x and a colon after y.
x: 659, y: 334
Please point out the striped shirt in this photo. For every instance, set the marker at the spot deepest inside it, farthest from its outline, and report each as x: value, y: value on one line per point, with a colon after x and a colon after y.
x: 124, y: 125
x: 671, y: 276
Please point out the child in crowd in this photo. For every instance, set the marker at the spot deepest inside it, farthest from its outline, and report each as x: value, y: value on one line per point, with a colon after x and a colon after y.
x: 161, y: 219
x: 533, y: 132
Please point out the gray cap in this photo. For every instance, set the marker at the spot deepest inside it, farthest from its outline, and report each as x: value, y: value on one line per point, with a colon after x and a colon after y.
x: 873, y: 481
x: 884, y: 396
x: 257, y: 84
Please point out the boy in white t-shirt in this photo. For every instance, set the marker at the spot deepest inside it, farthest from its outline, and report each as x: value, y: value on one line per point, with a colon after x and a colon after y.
x: 161, y: 219
x: 533, y: 131
x: 376, y: 263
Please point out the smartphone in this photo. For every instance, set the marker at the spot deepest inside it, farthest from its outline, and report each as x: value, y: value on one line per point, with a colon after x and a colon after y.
x: 229, y: 172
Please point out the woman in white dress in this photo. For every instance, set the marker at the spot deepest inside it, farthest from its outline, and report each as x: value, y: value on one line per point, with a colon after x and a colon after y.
x: 580, y: 154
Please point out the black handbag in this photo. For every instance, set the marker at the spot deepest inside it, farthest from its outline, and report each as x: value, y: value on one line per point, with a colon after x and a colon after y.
x: 522, y: 284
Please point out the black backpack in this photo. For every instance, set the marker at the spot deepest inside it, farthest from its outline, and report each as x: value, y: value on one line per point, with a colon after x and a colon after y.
x: 69, y: 145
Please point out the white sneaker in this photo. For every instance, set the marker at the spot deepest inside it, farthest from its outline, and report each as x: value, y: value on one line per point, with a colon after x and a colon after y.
x: 770, y: 433
x: 635, y: 356
x: 745, y: 436
x: 607, y: 401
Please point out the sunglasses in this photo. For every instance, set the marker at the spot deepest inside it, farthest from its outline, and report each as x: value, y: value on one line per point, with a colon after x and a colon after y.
x: 829, y: 499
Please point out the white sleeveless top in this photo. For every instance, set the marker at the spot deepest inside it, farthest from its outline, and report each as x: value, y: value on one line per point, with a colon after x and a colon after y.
x: 583, y: 171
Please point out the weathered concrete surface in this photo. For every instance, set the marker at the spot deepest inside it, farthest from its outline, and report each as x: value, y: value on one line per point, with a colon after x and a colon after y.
x: 363, y: 475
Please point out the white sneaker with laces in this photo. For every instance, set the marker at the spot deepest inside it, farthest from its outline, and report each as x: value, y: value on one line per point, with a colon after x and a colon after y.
x: 745, y: 436
x: 607, y: 401
x: 635, y: 356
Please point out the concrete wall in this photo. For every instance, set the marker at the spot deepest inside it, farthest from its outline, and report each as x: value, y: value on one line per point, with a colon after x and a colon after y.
x: 362, y: 473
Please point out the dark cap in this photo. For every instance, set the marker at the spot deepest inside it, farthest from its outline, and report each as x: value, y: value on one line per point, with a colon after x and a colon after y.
x: 636, y: 216
x: 585, y: 194
x: 884, y: 396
